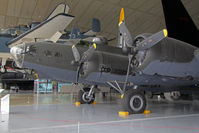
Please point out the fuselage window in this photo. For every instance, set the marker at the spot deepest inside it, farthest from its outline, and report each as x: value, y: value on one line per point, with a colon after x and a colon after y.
x: 58, y: 54
x: 48, y: 53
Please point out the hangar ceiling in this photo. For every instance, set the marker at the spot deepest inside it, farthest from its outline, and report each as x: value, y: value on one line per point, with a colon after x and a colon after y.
x: 141, y: 15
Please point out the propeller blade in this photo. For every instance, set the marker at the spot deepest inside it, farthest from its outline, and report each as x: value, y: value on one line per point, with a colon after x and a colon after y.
x: 121, y: 16
x: 125, y: 36
x: 152, y: 40
x: 88, y: 54
x: 75, y: 53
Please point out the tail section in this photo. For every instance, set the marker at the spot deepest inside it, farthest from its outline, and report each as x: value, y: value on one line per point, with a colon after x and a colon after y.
x: 75, y: 33
x: 61, y: 8
x: 179, y: 24
x: 48, y: 29
x: 95, y: 28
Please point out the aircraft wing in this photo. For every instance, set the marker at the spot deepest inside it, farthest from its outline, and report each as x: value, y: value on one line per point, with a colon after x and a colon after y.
x: 44, y: 30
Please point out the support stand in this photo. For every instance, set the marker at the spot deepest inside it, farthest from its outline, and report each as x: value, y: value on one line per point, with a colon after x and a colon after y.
x: 5, y: 104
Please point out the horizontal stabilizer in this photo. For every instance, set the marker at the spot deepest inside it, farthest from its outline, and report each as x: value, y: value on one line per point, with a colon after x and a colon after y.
x: 56, y: 37
x: 44, y: 30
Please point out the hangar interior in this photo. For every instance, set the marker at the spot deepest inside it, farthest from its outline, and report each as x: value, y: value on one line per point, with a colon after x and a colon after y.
x: 142, y: 16
x: 44, y: 105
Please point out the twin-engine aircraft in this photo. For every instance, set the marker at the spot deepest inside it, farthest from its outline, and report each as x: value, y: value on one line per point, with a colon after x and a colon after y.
x: 147, y: 62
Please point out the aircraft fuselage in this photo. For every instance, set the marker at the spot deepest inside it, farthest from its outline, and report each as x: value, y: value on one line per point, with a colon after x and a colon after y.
x: 169, y: 63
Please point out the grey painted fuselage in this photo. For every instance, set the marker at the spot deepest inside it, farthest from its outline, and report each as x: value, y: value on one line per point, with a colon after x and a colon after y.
x: 169, y: 63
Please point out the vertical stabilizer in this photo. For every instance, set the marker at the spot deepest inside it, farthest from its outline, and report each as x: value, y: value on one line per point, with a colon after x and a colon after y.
x: 61, y: 8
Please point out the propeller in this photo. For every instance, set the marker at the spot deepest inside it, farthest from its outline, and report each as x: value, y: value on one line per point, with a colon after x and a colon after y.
x: 85, y: 57
x: 152, y: 40
x: 131, y: 47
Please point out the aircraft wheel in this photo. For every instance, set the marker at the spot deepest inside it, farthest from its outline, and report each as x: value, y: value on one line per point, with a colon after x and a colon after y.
x: 83, y: 97
x: 134, y: 101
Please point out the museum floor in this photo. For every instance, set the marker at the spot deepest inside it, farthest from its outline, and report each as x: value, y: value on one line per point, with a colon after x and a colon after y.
x: 57, y: 113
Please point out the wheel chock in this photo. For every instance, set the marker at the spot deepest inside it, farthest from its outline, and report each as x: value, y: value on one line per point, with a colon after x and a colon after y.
x: 123, y: 113
x: 77, y: 103
x: 147, y: 112
x: 94, y: 102
x: 122, y: 96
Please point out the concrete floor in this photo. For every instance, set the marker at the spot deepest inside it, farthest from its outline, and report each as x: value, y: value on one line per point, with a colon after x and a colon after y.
x: 46, y: 113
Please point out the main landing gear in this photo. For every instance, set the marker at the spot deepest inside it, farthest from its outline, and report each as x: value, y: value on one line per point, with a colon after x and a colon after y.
x: 134, y: 101
x: 87, y: 95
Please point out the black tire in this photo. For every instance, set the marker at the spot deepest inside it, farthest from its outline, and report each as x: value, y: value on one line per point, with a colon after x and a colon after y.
x: 134, y: 101
x: 82, y: 96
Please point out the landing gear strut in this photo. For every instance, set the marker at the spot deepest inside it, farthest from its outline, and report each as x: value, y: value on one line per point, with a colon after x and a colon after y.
x: 134, y: 101
x: 87, y: 95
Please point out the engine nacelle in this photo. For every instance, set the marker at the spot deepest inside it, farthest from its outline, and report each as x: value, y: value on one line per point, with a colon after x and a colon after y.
x: 87, y: 68
x: 141, y: 37
x: 140, y: 55
x: 100, y: 40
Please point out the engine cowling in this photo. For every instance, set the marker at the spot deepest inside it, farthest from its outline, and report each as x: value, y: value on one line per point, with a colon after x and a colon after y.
x: 100, y: 40
x: 141, y: 54
x: 87, y: 68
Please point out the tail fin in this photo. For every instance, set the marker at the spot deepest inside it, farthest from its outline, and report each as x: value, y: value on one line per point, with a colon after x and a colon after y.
x: 45, y: 30
x: 61, y: 8
x: 179, y: 24
x: 95, y: 25
x: 95, y: 28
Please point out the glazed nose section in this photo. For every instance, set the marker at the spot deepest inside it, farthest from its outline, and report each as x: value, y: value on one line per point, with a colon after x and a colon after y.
x: 17, y: 53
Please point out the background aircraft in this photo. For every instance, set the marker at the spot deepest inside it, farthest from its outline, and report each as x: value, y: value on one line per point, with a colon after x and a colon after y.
x: 148, y: 62
x: 8, y: 35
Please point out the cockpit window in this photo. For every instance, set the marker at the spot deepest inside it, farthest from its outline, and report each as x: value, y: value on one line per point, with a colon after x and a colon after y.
x: 31, y: 50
